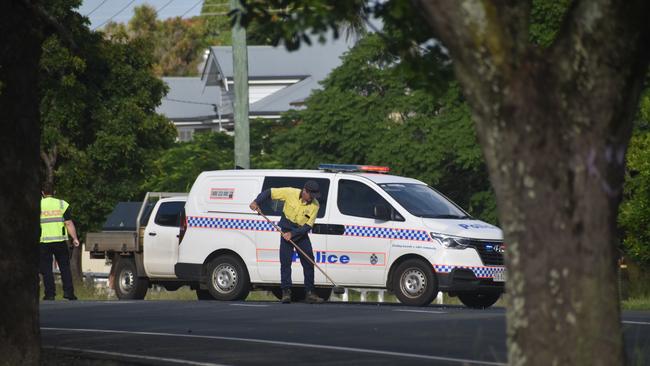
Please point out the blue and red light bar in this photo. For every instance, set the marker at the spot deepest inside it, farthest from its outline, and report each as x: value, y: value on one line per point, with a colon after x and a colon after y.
x: 354, y: 168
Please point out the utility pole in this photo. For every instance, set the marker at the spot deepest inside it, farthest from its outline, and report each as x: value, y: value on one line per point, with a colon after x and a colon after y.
x: 240, y: 73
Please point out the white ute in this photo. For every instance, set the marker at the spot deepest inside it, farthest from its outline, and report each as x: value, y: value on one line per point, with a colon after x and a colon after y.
x: 373, y: 230
x: 141, y: 241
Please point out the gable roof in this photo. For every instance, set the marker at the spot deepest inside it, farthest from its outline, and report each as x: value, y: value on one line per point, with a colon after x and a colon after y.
x: 268, y: 62
x: 189, y: 99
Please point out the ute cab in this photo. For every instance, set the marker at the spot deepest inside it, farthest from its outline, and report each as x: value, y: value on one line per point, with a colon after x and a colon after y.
x: 373, y: 230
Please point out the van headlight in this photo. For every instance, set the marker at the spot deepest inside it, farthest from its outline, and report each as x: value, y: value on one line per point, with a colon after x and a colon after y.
x: 449, y: 241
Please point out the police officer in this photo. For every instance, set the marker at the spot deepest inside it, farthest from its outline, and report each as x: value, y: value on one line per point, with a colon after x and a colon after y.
x: 56, y: 224
x: 298, y: 216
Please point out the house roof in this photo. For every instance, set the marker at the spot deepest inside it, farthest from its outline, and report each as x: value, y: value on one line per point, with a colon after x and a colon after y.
x: 268, y: 62
x: 189, y: 99
x: 286, y: 98
x: 193, y: 98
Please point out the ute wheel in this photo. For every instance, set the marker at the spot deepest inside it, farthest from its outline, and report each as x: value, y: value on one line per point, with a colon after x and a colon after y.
x: 228, y: 278
x: 478, y: 300
x: 204, y: 295
x: 128, y: 286
x: 414, y: 283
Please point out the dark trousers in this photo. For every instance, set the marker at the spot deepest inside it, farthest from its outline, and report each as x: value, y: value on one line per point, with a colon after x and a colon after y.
x: 60, y: 252
x: 286, y: 256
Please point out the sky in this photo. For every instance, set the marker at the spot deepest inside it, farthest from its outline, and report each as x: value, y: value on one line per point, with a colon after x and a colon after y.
x: 122, y: 10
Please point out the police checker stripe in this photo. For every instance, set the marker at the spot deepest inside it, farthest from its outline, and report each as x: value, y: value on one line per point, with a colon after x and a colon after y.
x: 329, y: 257
x: 480, y: 272
x: 350, y: 230
x: 225, y: 223
x: 386, y: 233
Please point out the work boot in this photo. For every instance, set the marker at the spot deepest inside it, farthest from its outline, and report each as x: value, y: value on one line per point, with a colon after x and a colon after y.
x: 286, y: 296
x: 48, y: 298
x: 312, y: 298
x: 70, y: 297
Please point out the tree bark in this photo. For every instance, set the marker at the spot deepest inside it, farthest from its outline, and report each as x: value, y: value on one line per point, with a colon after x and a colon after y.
x: 20, y: 48
x: 554, y: 126
x: 49, y: 164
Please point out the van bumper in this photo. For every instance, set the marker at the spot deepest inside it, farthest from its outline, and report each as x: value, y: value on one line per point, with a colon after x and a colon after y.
x: 189, y: 271
x: 464, y: 280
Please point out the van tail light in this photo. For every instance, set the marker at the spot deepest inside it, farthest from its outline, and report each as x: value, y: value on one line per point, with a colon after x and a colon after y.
x: 183, y: 227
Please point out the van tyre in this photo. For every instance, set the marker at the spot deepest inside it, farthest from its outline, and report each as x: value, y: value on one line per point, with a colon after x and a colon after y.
x: 227, y: 278
x: 128, y: 286
x: 414, y: 283
x: 204, y: 295
x: 479, y: 300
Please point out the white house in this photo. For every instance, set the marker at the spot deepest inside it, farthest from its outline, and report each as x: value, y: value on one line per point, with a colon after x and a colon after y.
x: 278, y: 80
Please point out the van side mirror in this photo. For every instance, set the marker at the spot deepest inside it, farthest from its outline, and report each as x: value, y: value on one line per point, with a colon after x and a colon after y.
x: 381, y: 213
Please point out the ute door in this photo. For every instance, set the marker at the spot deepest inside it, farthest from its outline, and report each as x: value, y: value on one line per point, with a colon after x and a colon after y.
x: 161, y: 239
x: 268, y: 242
x: 358, y: 242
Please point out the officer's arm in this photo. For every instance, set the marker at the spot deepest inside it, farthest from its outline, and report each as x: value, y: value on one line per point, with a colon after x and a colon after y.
x: 304, y: 229
x: 72, y: 231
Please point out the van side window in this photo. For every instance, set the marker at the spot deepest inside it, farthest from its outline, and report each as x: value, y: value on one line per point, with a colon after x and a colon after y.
x: 357, y: 199
x: 275, y: 207
x: 169, y: 214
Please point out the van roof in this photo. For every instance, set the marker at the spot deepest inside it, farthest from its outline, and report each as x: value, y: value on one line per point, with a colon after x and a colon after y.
x: 377, y: 178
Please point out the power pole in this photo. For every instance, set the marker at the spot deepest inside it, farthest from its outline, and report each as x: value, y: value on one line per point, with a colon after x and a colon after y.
x: 240, y: 73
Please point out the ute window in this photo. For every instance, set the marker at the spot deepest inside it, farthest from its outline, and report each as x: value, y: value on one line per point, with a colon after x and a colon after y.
x: 169, y: 214
x: 274, y: 207
x: 423, y: 201
x: 357, y: 199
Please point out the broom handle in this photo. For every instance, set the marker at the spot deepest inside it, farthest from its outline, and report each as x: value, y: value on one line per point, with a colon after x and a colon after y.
x: 297, y: 247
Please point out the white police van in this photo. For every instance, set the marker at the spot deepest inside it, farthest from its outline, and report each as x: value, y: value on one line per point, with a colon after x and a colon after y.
x: 373, y: 230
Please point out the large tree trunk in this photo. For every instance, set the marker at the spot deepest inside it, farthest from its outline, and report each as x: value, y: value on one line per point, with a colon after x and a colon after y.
x: 20, y: 48
x: 554, y: 125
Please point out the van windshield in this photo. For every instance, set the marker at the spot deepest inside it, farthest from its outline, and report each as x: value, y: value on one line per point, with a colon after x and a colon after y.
x: 422, y: 201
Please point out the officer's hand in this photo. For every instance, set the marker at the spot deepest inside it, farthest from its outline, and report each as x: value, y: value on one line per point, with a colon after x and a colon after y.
x: 75, y: 242
x: 254, y: 206
x: 287, y: 235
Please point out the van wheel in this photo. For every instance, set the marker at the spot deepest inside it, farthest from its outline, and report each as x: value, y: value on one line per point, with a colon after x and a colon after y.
x: 128, y: 285
x: 323, y: 293
x: 228, y: 279
x: 204, y: 295
x: 414, y: 283
x: 479, y: 300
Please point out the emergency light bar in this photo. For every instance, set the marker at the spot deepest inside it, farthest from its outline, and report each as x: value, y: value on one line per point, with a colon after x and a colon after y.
x: 353, y: 168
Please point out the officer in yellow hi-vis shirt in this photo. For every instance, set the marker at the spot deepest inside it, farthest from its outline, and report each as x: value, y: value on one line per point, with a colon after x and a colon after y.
x: 298, y: 217
x: 56, y: 224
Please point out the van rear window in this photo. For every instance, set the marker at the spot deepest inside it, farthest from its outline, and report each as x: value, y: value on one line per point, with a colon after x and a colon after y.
x: 275, y: 207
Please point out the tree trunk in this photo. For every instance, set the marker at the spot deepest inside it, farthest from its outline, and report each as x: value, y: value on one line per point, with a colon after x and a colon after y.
x: 49, y: 164
x: 554, y: 125
x: 75, y: 266
x: 20, y: 48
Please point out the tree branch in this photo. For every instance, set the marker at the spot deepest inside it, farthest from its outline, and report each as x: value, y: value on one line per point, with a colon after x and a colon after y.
x: 603, y: 46
x: 53, y: 22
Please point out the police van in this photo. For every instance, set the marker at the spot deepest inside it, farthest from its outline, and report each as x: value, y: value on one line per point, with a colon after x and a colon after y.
x: 373, y: 230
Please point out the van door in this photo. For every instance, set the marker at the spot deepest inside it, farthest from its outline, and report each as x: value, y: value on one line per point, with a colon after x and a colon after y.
x: 161, y: 239
x: 268, y: 242
x: 358, y: 243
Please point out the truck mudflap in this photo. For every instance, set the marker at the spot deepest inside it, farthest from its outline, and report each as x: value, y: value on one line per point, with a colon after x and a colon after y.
x: 189, y: 271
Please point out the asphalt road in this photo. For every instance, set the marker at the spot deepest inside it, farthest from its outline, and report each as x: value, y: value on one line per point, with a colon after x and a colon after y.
x: 247, y: 333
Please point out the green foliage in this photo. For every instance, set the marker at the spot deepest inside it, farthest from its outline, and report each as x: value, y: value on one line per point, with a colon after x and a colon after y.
x: 369, y: 113
x: 634, y: 213
x: 98, y: 118
x: 177, y: 168
x: 177, y: 44
x: 546, y: 18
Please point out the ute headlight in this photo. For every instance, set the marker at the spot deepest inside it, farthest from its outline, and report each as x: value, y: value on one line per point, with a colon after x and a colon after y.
x: 449, y: 241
